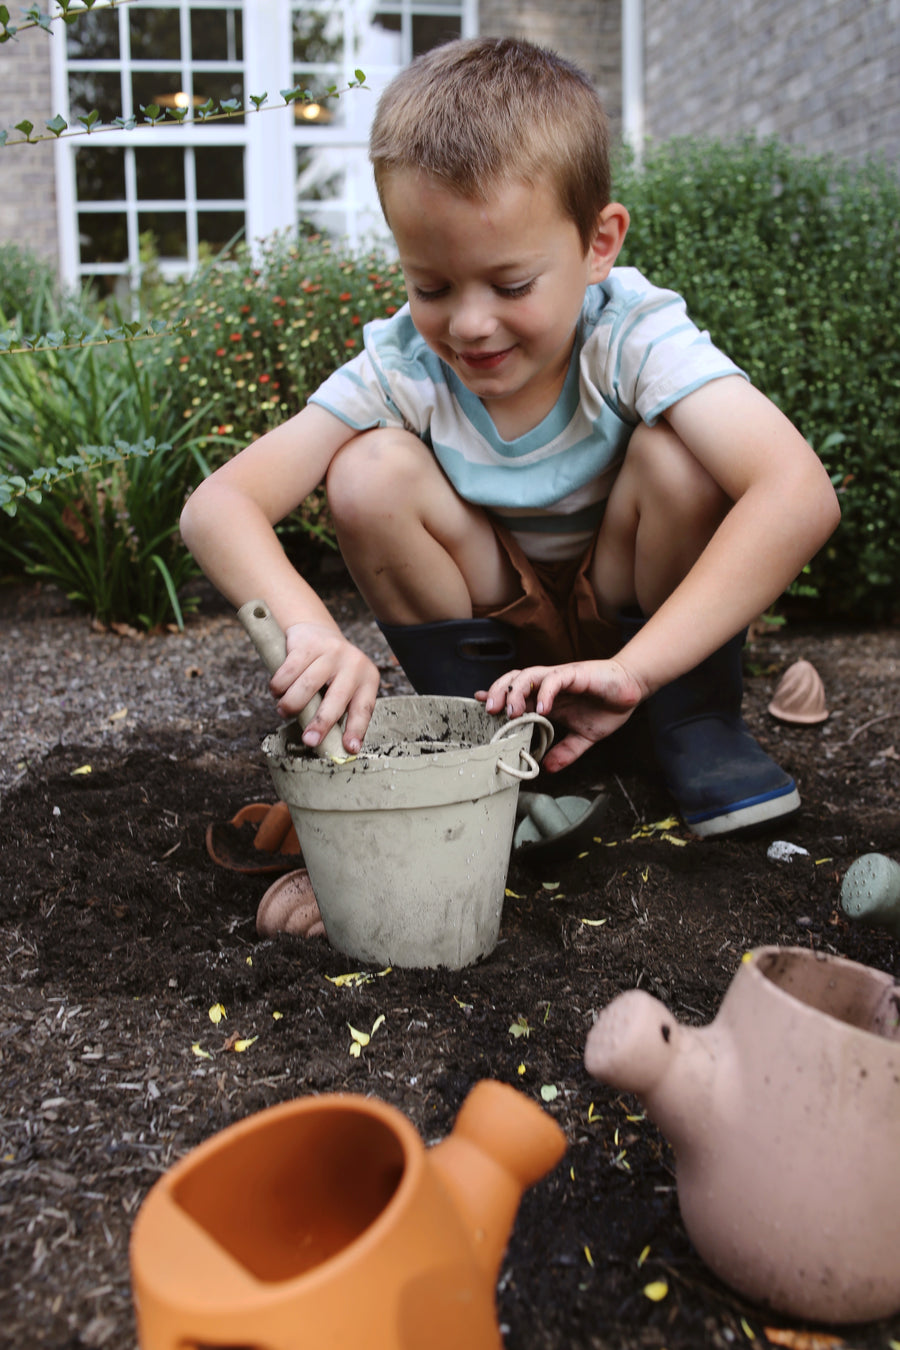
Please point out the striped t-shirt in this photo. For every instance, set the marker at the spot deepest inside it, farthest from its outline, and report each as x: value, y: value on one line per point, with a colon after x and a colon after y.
x: 636, y: 353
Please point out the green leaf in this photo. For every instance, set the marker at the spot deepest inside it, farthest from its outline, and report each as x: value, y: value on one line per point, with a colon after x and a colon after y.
x: 57, y: 125
x: 25, y: 127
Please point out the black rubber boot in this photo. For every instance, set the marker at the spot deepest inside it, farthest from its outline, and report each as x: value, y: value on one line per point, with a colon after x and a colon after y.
x: 721, y: 779
x: 453, y: 657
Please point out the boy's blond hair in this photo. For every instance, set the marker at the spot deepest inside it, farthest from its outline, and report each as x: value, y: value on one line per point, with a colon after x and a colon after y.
x: 481, y: 111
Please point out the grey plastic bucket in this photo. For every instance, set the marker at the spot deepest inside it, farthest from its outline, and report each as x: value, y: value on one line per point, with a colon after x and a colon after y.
x: 408, y: 844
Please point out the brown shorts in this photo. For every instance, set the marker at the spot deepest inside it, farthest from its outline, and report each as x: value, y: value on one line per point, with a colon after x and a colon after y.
x: 556, y: 615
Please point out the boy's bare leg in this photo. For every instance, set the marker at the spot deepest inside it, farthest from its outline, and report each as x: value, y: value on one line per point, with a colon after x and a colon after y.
x: 663, y: 510
x: 417, y: 552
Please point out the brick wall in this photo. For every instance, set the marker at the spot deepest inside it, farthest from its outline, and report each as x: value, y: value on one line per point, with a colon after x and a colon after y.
x: 587, y: 32
x: 27, y: 193
x: 823, y: 75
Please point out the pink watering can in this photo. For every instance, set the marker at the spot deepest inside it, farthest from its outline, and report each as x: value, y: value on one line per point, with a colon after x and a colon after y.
x: 784, y: 1114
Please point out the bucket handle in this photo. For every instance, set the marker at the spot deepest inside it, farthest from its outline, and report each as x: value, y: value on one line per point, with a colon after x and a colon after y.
x: 545, y: 740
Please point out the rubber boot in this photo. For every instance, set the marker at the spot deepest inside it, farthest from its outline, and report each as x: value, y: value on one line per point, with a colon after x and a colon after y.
x: 453, y: 657
x: 721, y: 779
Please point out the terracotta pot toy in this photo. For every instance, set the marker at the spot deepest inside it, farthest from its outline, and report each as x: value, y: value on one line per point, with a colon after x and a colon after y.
x: 784, y: 1114
x: 325, y: 1223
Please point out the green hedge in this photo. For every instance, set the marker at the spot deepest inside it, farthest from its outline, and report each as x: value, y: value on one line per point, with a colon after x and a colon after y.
x: 793, y: 264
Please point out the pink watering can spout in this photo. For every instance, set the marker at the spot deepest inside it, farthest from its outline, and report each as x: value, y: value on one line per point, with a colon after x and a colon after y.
x: 636, y: 1045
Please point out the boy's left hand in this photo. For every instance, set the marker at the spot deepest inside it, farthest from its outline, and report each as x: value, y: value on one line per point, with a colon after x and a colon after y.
x: 592, y: 699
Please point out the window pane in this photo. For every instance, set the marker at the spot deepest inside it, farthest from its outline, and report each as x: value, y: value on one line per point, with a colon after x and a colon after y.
x: 216, y: 35
x: 150, y: 86
x: 319, y: 33
x: 319, y: 110
x: 169, y: 230
x: 219, y: 170
x: 220, y: 85
x: 216, y: 229
x: 88, y: 90
x: 103, y: 237
x: 160, y: 173
x: 95, y: 35
x: 430, y: 30
x: 155, y: 34
x: 320, y: 173
x: 385, y: 38
x: 99, y: 174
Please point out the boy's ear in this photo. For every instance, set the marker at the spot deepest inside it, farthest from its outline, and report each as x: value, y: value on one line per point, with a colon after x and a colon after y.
x: 609, y: 236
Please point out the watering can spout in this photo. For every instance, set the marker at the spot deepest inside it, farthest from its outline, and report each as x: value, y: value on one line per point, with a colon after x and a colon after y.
x: 501, y: 1144
x: 636, y: 1045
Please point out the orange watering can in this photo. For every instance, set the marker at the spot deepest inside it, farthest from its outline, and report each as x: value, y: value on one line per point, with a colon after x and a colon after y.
x: 325, y: 1222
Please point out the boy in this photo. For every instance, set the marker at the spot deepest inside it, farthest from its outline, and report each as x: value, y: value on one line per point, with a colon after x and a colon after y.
x: 539, y: 462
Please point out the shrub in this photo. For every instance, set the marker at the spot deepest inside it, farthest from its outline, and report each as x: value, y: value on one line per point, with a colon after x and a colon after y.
x: 264, y: 334
x: 95, y: 463
x: 793, y: 264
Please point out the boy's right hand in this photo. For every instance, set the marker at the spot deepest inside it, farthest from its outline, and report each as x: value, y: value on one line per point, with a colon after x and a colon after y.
x: 319, y: 658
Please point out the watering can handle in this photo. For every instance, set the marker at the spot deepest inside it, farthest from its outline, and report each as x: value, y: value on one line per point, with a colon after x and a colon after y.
x: 268, y: 639
x: 545, y: 737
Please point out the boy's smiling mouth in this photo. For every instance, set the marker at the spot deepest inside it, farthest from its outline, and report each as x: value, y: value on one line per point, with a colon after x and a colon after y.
x: 483, y: 360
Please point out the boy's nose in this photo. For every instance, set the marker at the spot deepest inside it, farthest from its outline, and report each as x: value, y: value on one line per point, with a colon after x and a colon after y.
x: 472, y: 319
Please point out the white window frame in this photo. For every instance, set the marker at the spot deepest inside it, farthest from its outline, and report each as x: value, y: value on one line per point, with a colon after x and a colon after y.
x: 270, y: 139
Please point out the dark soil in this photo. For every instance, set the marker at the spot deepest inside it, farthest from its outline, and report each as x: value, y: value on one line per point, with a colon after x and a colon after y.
x: 119, y: 934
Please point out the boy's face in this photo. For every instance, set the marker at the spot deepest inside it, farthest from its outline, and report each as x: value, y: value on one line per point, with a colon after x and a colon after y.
x: 495, y: 287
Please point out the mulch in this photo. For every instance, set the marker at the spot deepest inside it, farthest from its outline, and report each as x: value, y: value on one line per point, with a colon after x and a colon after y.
x: 119, y: 934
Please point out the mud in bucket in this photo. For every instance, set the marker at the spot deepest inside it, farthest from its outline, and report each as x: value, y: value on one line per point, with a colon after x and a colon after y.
x: 408, y: 844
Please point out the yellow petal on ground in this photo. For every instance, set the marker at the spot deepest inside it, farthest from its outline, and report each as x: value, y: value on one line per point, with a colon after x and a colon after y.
x: 550, y: 885
x: 644, y: 1254
x: 520, y: 1070
x: 85, y: 768
x: 592, y: 1114
x: 587, y: 1256
x: 377, y: 1023
x: 594, y: 923
x: 360, y: 1037
x: 656, y: 1290
x: 118, y: 715
x: 241, y: 1046
x: 354, y: 977
x: 217, y: 1013
x: 747, y: 1329
x: 249, y: 960
x: 673, y: 839
x: 277, y: 1016
x: 197, y: 1049
x: 512, y: 895
x: 355, y: 1049
x: 549, y: 1093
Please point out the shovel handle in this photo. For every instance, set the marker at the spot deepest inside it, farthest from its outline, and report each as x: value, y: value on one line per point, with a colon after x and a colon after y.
x: 268, y: 639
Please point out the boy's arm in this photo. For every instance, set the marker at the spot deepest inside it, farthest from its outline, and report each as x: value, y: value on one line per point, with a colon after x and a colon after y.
x: 228, y: 525
x: 784, y: 508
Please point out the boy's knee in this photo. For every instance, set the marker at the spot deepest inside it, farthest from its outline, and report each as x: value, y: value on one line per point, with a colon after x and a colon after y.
x: 663, y: 469
x: 366, y: 468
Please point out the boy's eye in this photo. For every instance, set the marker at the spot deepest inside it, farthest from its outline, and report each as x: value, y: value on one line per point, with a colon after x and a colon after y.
x: 515, y: 292
x: 436, y: 294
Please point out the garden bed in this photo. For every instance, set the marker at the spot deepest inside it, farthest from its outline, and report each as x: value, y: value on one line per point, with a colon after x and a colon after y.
x: 119, y: 934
